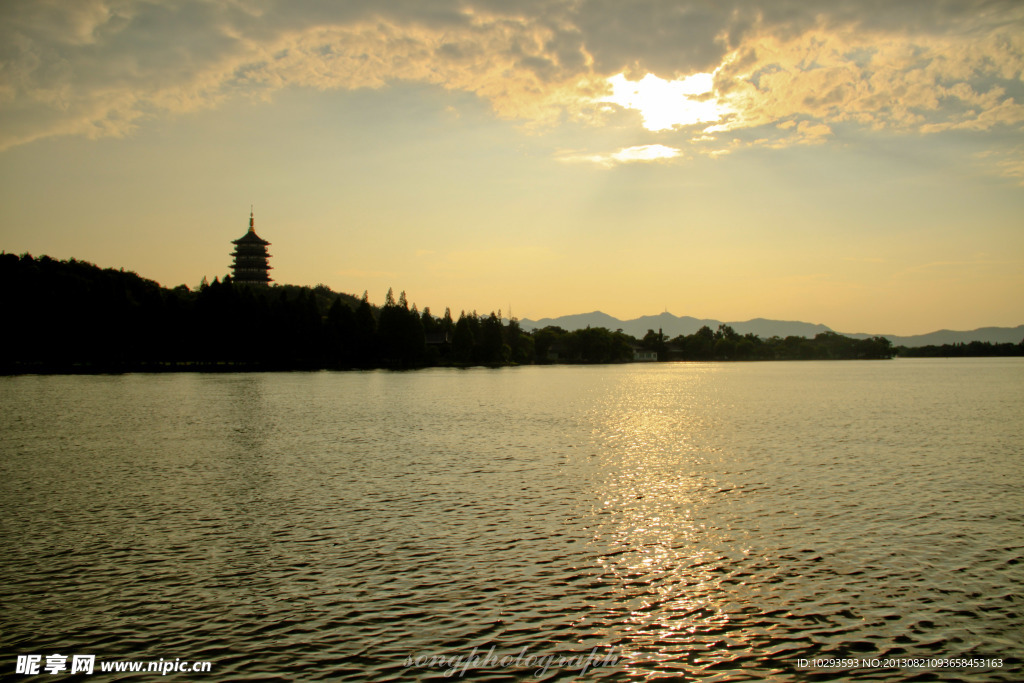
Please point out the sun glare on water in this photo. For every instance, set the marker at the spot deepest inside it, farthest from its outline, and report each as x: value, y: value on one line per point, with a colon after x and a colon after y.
x: 666, y: 104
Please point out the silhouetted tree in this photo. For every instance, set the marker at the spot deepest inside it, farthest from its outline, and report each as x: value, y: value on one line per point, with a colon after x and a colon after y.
x: 429, y: 322
x: 340, y: 333
x: 655, y: 341
x: 365, y: 333
x: 546, y: 341
x: 491, y: 346
x: 520, y: 344
x: 463, y: 340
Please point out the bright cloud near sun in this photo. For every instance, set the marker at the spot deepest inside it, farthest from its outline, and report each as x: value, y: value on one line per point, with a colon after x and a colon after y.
x: 637, y: 153
x: 666, y: 104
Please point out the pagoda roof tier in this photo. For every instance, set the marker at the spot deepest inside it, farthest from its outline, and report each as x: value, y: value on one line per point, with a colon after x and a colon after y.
x: 251, y: 237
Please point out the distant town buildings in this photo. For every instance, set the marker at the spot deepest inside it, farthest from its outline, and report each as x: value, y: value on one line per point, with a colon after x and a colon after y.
x: 251, y: 258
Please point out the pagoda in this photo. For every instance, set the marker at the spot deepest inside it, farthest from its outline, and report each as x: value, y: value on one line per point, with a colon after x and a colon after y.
x: 250, y: 265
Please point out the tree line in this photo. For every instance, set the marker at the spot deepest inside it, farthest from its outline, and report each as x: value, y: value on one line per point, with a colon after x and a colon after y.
x: 727, y: 344
x: 67, y: 316
x: 974, y: 349
x: 72, y: 315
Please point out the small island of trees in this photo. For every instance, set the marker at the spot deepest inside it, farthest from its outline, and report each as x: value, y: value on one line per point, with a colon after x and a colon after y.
x: 72, y: 316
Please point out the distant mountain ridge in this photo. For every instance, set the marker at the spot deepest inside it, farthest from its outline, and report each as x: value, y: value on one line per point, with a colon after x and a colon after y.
x: 673, y: 326
x: 992, y: 335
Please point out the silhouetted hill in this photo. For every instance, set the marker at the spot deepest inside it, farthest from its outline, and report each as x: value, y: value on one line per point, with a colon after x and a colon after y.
x: 673, y: 326
x: 990, y: 335
x: 578, y: 321
x: 323, y: 294
x: 75, y: 316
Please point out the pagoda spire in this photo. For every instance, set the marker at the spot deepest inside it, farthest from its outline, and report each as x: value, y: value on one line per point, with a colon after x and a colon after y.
x: 252, y: 227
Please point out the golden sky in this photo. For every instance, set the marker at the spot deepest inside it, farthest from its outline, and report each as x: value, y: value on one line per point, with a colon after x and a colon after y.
x: 858, y: 164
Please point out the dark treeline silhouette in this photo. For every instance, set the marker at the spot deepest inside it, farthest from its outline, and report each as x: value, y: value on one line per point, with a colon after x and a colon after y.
x: 590, y: 345
x: 726, y: 344
x: 72, y: 316
x: 66, y: 316
x: 974, y: 349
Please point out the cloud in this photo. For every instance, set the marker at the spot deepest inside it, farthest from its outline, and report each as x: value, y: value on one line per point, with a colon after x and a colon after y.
x: 1005, y: 162
x: 918, y: 83
x: 662, y: 37
x: 103, y: 67
x: 639, y: 153
x: 100, y: 72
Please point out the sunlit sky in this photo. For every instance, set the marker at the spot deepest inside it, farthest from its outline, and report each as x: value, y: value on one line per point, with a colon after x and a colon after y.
x: 858, y: 164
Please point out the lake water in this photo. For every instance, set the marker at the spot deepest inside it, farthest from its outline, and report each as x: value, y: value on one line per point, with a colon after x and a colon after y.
x: 712, y: 521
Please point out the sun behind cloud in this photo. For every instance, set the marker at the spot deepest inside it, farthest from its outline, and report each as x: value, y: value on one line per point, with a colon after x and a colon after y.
x: 665, y: 104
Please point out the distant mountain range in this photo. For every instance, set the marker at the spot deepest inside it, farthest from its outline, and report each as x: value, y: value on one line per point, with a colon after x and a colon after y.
x: 993, y: 335
x: 673, y: 326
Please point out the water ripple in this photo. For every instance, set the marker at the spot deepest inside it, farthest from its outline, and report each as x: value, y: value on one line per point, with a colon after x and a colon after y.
x: 699, y: 521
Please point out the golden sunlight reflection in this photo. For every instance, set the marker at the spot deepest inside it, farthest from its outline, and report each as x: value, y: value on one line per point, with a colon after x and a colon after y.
x: 658, y: 545
x: 666, y: 104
